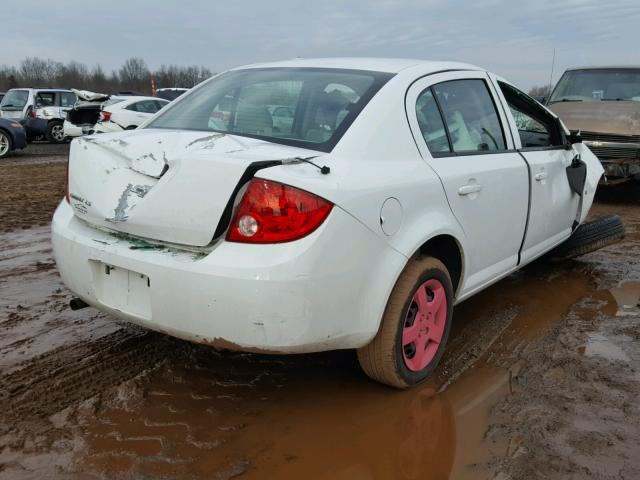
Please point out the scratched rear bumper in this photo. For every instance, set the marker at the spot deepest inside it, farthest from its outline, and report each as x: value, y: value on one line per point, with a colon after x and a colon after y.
x: 301, y: 296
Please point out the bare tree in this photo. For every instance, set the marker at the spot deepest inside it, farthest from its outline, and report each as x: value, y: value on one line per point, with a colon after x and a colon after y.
x: 135, y: 74
x: 540, y: 92
x: 36, y: 71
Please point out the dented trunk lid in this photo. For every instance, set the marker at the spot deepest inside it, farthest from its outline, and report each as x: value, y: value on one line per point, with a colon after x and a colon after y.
x: 166, y: 185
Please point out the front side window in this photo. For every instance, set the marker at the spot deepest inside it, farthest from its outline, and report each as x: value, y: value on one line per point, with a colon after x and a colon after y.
x: 160, y: 104
x: 45, y: 99
x: 306, y: 107
x: 536, y: 126
x: 470, y: 115
x: 145, y: 106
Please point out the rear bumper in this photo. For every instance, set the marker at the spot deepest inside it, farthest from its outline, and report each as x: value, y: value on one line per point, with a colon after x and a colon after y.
x: 71, y: 130
x: 326, y: 291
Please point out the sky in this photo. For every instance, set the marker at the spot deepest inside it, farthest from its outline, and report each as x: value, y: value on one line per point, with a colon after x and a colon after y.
x: 514, y: 39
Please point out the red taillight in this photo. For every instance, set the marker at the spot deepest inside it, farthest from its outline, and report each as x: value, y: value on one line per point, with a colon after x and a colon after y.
x: 105, y: 116
x: 271, y: 212
x: 33, y: 114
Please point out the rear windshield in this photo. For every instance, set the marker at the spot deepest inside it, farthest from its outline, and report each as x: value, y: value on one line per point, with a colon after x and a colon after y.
x: 15, y: 98
x: 598, y: 85
x: 306, y: 107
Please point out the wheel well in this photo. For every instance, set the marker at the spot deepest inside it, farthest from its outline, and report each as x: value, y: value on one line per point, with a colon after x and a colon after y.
x: 8, y: 133
x: 446, y: 249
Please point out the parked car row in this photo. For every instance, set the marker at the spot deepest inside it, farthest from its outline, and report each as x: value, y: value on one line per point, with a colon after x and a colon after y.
x: 100, y: 113
x: 39, y: 110
x: 58, y: 115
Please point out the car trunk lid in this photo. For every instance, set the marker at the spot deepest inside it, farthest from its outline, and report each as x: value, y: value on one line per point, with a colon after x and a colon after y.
x: 165, y: 185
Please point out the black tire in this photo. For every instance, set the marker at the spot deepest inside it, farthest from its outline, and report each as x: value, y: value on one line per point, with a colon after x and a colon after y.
x: 590, y: 236
x: 55, y: 132
x: 5, y: 137
x: 382, y: 359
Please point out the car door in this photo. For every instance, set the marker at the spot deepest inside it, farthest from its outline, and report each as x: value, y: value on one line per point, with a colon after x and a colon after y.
x: 461, y: 134
x: 541, y: 141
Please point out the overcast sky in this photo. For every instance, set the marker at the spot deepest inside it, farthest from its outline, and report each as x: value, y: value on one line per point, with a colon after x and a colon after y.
x: 512, y: 38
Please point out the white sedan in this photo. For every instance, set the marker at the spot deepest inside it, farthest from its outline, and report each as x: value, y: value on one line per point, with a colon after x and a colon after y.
x: 399, y: 188
x: 127, y: 113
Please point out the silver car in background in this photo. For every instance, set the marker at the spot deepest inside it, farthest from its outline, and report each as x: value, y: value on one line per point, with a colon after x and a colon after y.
x: 41, y: 111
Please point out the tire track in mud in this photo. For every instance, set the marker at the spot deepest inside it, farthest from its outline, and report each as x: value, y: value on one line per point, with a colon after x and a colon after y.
x: 54, y: 380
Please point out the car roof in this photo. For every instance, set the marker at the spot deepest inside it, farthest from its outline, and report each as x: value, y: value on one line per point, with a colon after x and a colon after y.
x: 41, y: 89
x: 388, y: 65
x: 606, y: 67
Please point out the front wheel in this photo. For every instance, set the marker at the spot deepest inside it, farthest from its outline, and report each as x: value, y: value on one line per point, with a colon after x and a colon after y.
x: 414, y: 328
x: 5, y: 144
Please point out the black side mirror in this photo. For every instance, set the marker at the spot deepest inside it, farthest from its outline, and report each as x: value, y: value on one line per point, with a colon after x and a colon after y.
x: 574, y: 137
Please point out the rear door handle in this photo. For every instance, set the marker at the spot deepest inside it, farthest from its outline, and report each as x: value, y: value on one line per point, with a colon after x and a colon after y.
x: 540, y: 176
x: 469, y: 189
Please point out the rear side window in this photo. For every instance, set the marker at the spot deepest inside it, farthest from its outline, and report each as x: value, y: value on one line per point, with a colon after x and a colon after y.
x: 67, y: 99
x: 431, y: 124
x: 470, y: 115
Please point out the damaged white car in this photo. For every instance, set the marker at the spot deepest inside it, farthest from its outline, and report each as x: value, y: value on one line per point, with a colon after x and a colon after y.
x: 399, y: 188
x: 102, y: 113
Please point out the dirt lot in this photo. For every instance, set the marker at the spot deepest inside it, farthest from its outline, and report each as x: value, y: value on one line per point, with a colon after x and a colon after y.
x: 541, y: 378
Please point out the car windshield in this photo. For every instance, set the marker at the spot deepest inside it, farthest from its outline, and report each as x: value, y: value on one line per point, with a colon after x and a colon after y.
x: 306, y: 107
x: 15, y: 98
x: 598, y: 85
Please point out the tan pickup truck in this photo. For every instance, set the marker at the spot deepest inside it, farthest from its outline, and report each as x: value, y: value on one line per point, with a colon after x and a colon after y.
x: 604, y: 104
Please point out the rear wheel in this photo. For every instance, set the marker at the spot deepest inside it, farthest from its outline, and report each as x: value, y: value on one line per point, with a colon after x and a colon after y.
x: 55, y: 132
x: 414, y: 328
x: 5, y: 144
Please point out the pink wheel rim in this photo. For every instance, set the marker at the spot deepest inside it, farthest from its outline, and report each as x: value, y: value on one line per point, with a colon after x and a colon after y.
x: 424, y: 325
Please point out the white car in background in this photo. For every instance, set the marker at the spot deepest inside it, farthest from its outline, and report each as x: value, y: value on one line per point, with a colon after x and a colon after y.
x: 101, y: 113
x: 127, y: 113
x: 399, y: 188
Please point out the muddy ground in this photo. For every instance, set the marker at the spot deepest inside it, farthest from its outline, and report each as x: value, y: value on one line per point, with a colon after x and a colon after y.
x: 541, y: 378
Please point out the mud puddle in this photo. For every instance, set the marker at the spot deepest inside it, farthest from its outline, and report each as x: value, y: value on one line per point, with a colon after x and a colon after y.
x: 115, y: 402
x: 212, y: 415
